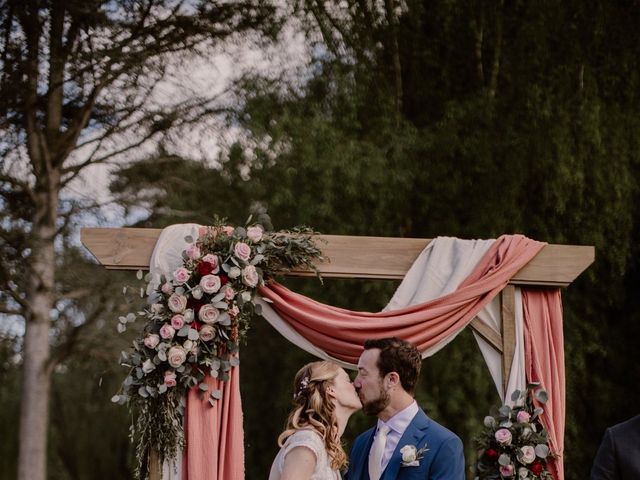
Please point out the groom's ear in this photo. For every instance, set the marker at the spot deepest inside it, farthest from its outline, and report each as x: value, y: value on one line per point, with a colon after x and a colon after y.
x: 394, y: 379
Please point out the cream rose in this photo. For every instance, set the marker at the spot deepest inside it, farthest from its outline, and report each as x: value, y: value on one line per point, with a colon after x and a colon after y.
x: 181, y: 275
x: 250, y: 276
x: 207, y: 332
x: 503, y: 436
x: 170, y: 378
x: 176, y: 356
x: 193, y: 251
x: 254, y: 233
x: 208, y: 313
x: 167, y: 331
x: 210, y: 283
x: 527, y: 454
x: 177, y: 303
x: 151, y: 341
x: 409, y: 453
x: 242, y: 251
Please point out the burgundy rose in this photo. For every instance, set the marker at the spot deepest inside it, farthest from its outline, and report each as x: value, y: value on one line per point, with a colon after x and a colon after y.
x: 205, y: 268
x: 491, y: 454
x: 536, y: 468
x: 223, y: 279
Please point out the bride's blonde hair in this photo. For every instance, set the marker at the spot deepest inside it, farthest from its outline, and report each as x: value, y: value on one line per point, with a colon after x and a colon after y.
x: 314, y: 408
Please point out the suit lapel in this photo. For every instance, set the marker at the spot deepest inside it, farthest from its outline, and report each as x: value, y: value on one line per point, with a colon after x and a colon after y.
x: 413, y: 435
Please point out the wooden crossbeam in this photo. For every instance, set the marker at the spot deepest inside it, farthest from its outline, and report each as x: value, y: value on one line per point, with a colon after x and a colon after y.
x: 350, y: 256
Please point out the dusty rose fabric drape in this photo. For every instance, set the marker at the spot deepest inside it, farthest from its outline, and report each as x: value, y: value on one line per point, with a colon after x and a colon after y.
x: 214, y: 435
x: 544, y: 360
x: 341, y: 332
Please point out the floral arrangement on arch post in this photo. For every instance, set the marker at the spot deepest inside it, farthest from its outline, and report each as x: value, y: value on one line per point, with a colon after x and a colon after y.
x: 514, y: 444
x: 195, y: 321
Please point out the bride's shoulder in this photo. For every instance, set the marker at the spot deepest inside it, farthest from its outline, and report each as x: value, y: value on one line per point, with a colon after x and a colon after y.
x: 305, y: 437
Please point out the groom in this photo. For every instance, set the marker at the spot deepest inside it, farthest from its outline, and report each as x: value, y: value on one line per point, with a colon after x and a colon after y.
x: 405, y: 444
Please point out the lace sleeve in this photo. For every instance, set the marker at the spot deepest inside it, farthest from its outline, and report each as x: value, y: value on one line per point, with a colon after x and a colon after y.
x: 307, y: 439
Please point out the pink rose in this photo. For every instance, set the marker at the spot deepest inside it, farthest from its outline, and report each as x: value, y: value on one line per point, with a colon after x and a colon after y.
x: 193, y: 251
x: 227, y: 230
x: 229, y: 293
x: 167, y: 331
x: 177, y: 303
x: 234, y: 311
x: 167, y: 288
x: 254, y: 233
x: 151, y: 341
x: 170, y: 378
x: 503, y: 436
x: 213, y: 260
x: 181, y: 275
x: 507, y: 470
x: 250, y: 276
x: 210, y: 283
x: 176, y: 356
x: 177, y: 321
x: 207, y: 332
x: 527, y: 454
x: 242, y: 251
x: 202, y: 231
x: 523, y: 417
x: 208, y: 313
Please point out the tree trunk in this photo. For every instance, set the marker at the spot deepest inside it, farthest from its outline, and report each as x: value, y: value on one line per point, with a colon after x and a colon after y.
x: 34, y: 414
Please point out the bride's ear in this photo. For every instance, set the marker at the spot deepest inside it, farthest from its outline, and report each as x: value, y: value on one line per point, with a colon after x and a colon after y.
x: 331, y: 391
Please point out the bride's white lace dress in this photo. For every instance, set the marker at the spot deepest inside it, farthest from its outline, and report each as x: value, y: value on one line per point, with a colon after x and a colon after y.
x: 311, y: 440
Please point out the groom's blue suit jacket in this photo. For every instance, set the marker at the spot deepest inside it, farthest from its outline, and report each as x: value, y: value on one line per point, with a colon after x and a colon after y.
x: 444, y: 459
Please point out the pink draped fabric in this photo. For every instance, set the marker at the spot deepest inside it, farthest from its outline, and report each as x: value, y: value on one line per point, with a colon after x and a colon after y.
x: 214, y: 434
x: 341, y: 333
x: 544, y: 360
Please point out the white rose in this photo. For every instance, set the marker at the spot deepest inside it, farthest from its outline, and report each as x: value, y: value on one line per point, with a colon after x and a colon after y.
x: 176, y: 356
x: 409, y: 453
x: 197, y: 293
x: 254, y: 233
x: 527, y: 454
x: 157, y: 308
x: 207, y: 333
x: 234, y: 272
x: 208, y: 313
x: 210, y: 283
x: 188, y: 315
x: 523, y: 472
x: 250, y: 276
x: 177, y: 303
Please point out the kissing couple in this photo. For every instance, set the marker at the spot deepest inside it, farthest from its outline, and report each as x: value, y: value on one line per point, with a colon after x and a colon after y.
x: 405, y: 444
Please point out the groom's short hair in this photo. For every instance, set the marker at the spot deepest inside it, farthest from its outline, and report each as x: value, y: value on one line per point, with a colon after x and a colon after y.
x: 400, y: 356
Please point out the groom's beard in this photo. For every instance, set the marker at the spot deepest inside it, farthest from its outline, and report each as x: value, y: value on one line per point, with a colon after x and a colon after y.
x: 374, y: 407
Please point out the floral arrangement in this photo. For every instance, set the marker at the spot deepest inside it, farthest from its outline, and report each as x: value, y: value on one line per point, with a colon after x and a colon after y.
x: 513, y: 443
x: 195, y: 321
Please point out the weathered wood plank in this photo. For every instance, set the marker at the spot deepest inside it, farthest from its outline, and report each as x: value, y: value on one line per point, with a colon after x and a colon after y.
x: 488, y: 333
x: 350, y: 256
x: 508, y: 310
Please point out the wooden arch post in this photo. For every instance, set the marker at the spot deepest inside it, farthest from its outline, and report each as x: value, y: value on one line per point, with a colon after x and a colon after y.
x: 372, y: 258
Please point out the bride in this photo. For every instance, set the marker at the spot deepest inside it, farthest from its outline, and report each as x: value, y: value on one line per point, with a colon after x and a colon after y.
x: 310, y: 449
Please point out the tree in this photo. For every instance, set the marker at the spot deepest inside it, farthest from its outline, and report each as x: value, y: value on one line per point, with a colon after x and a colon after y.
x: 78, y: 88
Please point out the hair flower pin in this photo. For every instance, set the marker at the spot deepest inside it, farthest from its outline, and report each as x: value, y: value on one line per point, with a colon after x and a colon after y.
x: 304, y: 384
x: 411, y: 455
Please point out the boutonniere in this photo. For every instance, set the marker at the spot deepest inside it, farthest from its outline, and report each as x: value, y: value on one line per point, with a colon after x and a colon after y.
x: 411, y: 455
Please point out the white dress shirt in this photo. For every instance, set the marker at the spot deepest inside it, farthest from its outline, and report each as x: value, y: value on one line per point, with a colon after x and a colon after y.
x: 397, y: 425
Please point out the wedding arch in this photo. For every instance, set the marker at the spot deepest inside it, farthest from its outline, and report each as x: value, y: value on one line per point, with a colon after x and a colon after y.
x: 507, y: 290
